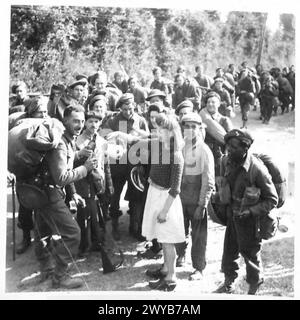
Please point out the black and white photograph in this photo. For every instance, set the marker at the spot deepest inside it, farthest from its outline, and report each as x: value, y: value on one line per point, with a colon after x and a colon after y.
x: 149, y: 150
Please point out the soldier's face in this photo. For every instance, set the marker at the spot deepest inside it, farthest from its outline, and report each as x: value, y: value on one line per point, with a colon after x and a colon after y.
x: 74, y: 123
x: 235, y: 150
x: 42, y: 112
x: 157, y: 75
x: 156, y: 99
x: 212, y: 105
x: 92, y: 125
x: 100, y: 107
x: 78, y: 92
x: 179, y: 81
x: 184, y: 111
x: 21, y: 92
x: 100, y: 83
x: 127, y: 110
x: 153, y: 115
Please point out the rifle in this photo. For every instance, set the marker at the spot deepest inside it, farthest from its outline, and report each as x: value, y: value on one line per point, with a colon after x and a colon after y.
x: 14, y: 217
x: 107, y: 265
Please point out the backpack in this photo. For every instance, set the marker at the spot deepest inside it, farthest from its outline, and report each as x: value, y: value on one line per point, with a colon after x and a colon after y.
x: 267, y: 225
x: 28, y: 143
x: 277, y: 175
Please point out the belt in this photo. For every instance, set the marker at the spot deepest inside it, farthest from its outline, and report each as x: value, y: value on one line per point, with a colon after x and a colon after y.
x: 156, y: 185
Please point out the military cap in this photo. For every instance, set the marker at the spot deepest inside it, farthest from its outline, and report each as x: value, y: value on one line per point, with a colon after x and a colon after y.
x: 242, y: 135
x: 81, y: 76
x: 33, y: 104
x: 83, y: 82
x: 125, y: 98
x: 211, y: 94
x: 184, y: 104
x: 58, y: 87
x: 191, y: 117
x: 97, y: 97
x: 93, y: 114
x: 155, y: 93
x: 219, y: 79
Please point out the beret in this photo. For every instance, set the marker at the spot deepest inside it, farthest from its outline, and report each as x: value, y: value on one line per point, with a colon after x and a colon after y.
x: 211, y: 94
x: 32, y: 105
x: 125, y: 98
x: 184, y: 104
x: 93, y: 114
x: 82, y: 82
x: 155, y: 93
x: 219, y: 79
x: 97, y: 97
x: 241, y: 135
x: 191, y: 117
x: 81, y: 76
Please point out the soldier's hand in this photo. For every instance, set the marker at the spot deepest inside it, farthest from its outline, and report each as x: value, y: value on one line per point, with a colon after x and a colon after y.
x: 90, y: 164
x: 244, y: 214
x: 199, y: 213
x: 85, y: 152
x: 111, y: 190
x: 79, y: 200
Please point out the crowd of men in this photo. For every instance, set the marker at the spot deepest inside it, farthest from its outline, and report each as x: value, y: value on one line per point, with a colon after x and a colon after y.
x: 80, y: 171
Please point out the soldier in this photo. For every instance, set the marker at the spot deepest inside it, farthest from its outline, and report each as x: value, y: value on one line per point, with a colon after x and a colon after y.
x: 186, y: 106
x: 246, y: 93
x: 225, y: 106
x: 131, y: 123
x: 20, y: 90
x: 101, y: 86
x: 217, y: 127
x: 139, y: 93
x: 268, y: 93
x: 250, y: 194
x: 73, y: 96
x: 120, y: 81
x: 91, y: 217
x: 160, y: 83
x: 54, y: 222
x: 186, y: 89
x: 35, y: 108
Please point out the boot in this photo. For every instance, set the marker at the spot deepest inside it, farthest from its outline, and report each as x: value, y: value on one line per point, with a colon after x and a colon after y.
x: 66, y: 281
x: 226, y: 287
x: 26, y: 242
x: 253, y: 287
x: 115, y: 229
x: 244, y: 125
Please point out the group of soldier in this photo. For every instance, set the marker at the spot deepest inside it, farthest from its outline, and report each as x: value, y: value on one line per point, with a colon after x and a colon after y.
x: 82, y: 171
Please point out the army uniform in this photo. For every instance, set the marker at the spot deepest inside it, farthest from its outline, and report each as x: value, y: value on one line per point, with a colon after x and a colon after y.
x: 54, y: 222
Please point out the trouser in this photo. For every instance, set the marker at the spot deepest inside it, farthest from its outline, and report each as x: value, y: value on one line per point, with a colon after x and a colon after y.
x: 267, y: 108
x: 56, y: 219
x: 25, y: 218
x: 88, y: 221
x: 120, y: 173
x: 240, y: 238
x: 199, y: 237
x: 285, y: 99
x: 245, y: 108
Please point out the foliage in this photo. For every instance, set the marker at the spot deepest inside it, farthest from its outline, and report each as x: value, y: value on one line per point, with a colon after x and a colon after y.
x: 54, y: 44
